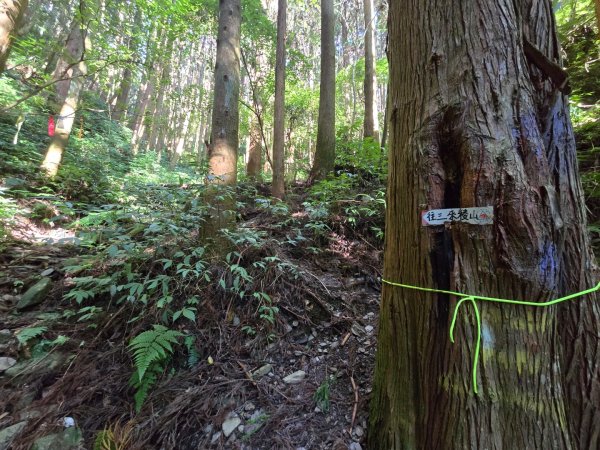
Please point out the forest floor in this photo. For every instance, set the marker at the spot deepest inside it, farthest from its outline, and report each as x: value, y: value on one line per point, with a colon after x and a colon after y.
x: 302, y: 384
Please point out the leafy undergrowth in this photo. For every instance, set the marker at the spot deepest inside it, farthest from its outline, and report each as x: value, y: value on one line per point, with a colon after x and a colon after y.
x: 154, y: 334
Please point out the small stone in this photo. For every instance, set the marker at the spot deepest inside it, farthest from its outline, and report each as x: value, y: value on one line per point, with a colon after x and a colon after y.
x: 295, y: 323
x: 261, y: 371
x: 354, y: 446
x: 249, y: 406
x: 208, y: 429
x: 68, y: 422
x: 358, y: 431
x: 317, y: 409
x: 215, y: 437
x: 36, y: 294
x: 231, y: 424
x: 70, y: 439
x: 357, y: 329
x: 6, y: 363
x: 288, y: 328
x: 47, y: 272
x: 8, y: 434
x: 295, y: 378
x: 240, y: 428
x: 369, y: 329
x: 5, y: 336
x: 236, y: 321
x: 334, y: 345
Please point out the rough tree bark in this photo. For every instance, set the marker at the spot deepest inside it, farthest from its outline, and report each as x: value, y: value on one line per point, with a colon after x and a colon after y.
x: 224, y: 138
x: 371, y: 125
x: 11, y: 12
x: 474, y: 123
x: 325, y: 150
x: 278, y: 187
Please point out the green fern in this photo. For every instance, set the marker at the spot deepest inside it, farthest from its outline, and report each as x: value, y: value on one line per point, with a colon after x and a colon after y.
x: 143, y: 386
x: 26, y: 334
x: 151, y: 349
x: 152, y: 346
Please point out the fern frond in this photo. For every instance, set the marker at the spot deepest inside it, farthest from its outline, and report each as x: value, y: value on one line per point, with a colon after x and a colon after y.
x: 143, y: 385
x: 27, y: 334
x: 152, y: 346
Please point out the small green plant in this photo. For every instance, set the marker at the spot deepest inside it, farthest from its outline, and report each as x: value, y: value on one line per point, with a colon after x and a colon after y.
x: 322, y: 393
x: 26, y: 334
x: 151, y: 352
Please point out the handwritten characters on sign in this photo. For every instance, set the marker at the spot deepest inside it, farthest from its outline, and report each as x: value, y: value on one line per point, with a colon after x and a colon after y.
x: 475, y: 216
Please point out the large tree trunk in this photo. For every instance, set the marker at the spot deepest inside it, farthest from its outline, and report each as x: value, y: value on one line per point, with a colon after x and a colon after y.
x: 474, y: 123
x: 325, y: 151
x: 371, y: 125
x: 11, y: 12
x: 225, y: 117
x: 278, y: 188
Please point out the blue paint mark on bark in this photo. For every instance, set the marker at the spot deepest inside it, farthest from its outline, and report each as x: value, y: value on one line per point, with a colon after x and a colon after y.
x: 530, y: 136
x: 548, y: 265
x: 487, y: 338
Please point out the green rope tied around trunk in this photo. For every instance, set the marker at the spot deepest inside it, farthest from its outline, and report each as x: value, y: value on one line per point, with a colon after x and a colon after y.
x: 473, y: 299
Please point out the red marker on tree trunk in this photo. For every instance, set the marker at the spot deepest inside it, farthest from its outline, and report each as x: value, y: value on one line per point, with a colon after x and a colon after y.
x: 51, y: 126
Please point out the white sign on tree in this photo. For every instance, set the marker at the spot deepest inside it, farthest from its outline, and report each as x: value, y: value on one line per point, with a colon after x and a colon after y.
x: 476, y: 216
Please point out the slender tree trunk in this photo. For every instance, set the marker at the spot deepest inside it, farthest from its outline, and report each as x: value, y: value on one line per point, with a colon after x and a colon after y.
x: 158, y: 115
x: 70, y: 57
x: 371, y: 125
x: 325, y: 150
x: 278, y: 188
x: 474, y: 123
x: 120, y: 112
x: 11, y: 12
x: 345, y: 46
x: 597, y: 8
x: 71, y: 67
x: 139, y: 119
x: 225, y: 117
x: 254, y: 152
